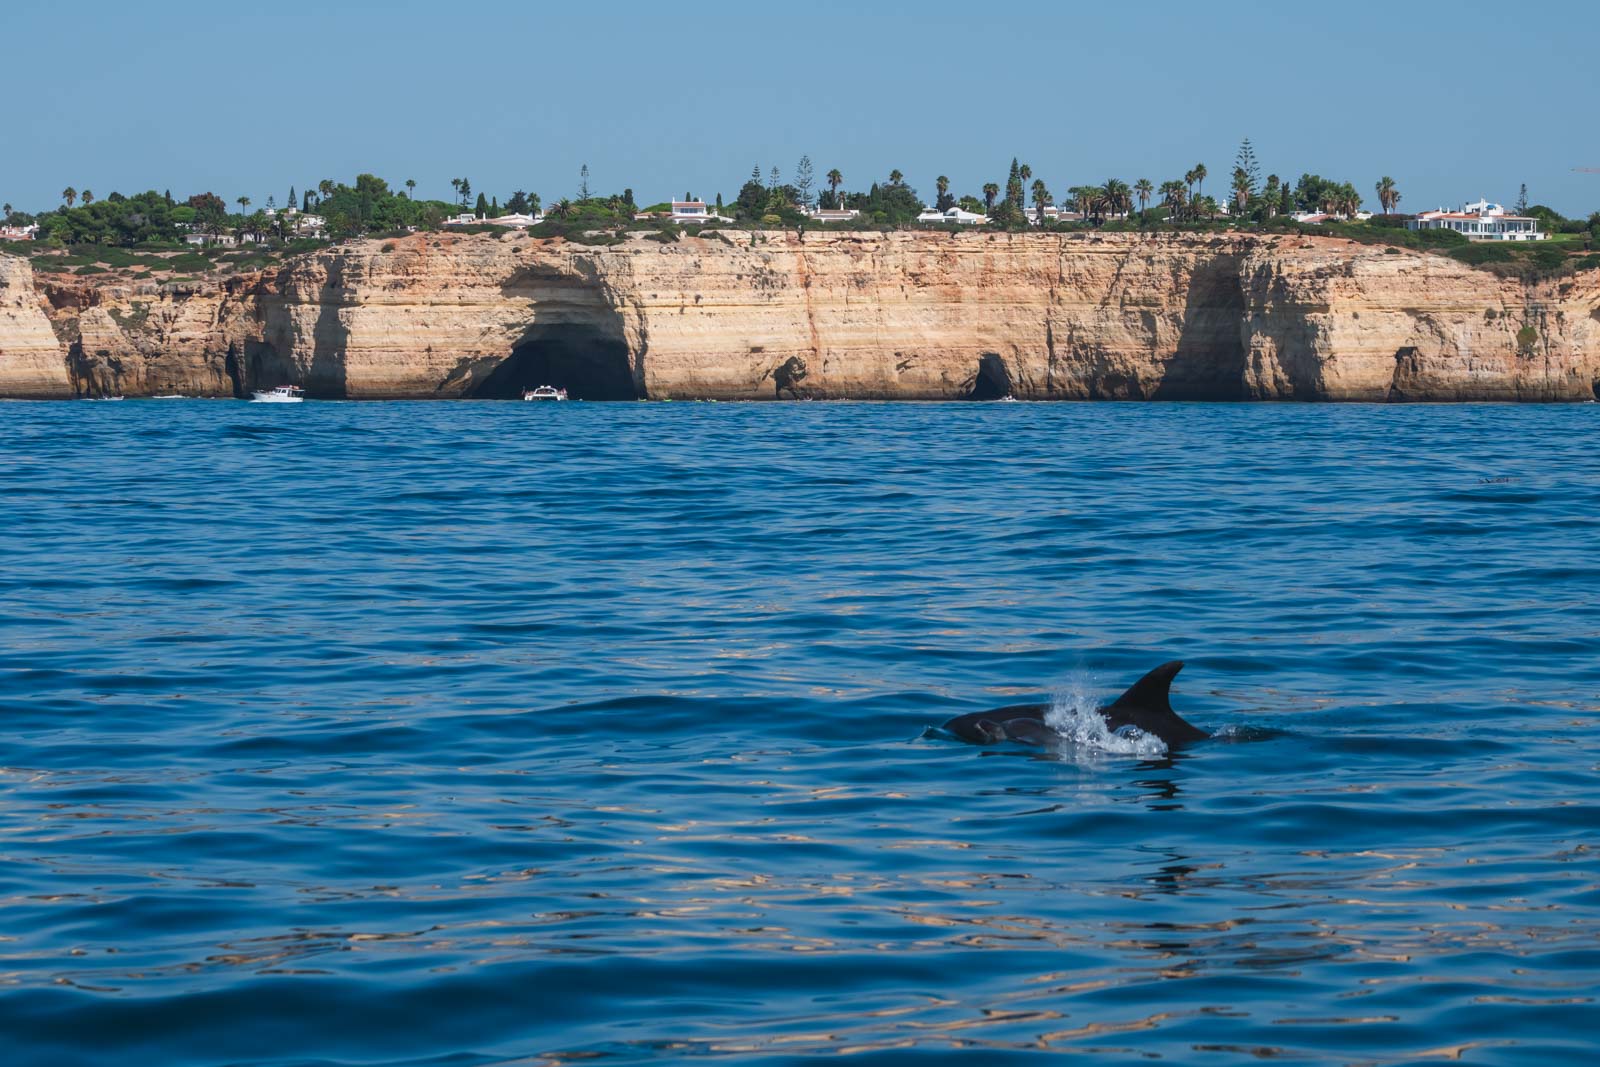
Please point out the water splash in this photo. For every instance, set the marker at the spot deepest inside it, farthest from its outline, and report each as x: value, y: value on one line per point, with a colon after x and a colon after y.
x: 1075, y: 715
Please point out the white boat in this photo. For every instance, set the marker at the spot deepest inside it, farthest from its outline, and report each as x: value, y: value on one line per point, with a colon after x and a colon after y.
x: 283, y: 394
x: 107, y: 398
x: 544, y: 392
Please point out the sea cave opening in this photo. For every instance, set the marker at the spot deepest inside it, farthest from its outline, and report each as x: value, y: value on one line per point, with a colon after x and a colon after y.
x: 570, y: 356
x: 993, y: 381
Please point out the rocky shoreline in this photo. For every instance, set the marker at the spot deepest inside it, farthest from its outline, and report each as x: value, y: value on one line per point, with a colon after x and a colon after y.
x: 762, y: 316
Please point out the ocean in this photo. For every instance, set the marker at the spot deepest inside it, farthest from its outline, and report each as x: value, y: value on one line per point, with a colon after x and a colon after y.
x: 469, y: 733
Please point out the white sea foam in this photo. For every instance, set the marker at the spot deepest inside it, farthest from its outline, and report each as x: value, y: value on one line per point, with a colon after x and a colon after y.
x: 1074, y: 714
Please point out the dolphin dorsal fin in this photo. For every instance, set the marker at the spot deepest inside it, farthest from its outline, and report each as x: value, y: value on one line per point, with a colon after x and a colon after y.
x: 1153, y: 691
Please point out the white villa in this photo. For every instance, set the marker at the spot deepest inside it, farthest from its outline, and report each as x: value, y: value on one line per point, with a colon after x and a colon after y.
x: 19, y: 233
x: 686, y: 212
x: 832, y: 214
x: 1481, y: 221
x: 954, y: 214
x: 517, y: 219
x: 1317, y: 218
x: 690, y: 211
x: 214, y: 240
x: 301, y: 223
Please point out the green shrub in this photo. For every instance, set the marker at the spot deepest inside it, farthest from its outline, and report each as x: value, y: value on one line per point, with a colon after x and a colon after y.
x: 1549, y: 257
x: 1588, y: 263
x: 387, y: 247
x: 1441, y: 239
x: 1477, y: 255
x: 91, y: 269
x: 190, y: 261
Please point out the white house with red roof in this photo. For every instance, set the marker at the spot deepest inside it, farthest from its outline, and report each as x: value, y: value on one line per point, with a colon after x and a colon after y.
x: 1481, y: 221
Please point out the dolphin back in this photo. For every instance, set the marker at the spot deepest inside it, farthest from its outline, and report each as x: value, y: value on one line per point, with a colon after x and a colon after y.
x: 1148, y: 705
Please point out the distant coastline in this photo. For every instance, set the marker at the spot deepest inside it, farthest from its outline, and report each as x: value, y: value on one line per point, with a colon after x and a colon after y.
x: 736, y: 314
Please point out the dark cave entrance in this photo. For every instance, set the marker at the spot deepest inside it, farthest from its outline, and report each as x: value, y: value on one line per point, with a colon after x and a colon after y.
x: 579, y: 359
x: 993, y: 381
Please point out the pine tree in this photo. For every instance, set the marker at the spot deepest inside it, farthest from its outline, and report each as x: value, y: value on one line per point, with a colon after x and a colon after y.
x: 1246, y: 161
x: 804, y: 180
x: 289, y: 203
x: 776, y: 180
x: 482, y: 207
x: 1522, y: 200
x: 1014, y: 183
x: 583, y: 184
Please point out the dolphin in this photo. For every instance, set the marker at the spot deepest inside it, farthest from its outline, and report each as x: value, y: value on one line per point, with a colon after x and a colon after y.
x: 1146, y: 704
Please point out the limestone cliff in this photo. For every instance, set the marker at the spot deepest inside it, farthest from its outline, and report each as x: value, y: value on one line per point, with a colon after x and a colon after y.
x: 862, y: 315
x: 31, y: 363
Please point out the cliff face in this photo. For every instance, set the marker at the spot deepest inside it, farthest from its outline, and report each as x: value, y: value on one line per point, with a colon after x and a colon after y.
x: 149, y: 340
x: 31, y: 363
x: 902, y: 316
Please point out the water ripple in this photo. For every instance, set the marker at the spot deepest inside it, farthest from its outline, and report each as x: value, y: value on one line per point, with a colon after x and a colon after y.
x: 482, y: 733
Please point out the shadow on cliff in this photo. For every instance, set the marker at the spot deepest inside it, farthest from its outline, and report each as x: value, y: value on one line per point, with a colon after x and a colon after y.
x: 575, y: 341
x: 576, y: 357
x: 327, y: 375
x: 993, y: 381
x: 1209, y: 362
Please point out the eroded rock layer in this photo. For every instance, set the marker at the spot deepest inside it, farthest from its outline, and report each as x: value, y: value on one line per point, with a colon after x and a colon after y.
x: 835, y: 315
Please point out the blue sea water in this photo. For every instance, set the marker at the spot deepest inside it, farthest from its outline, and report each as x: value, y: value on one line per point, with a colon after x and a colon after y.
x: 485, y: 733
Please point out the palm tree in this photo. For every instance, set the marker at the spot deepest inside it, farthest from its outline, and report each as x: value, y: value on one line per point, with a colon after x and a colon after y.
x: 325, y: 188
x: 1388, y: 195
x: 835, y: 179
x: 990, y: 191
x: 411, y: 188
x: 1041, y: 197
x: 1173, y: 194
x: 70, y: 195
x: 455, y: 183
x: 243, y: 202
x: 942, y: 184
x: 561, y: 209
x: 1083, y: 199
x: 1200, y: 178
x: 1118, y: 200
x: 895, y: 177
x: 1144, y: 189
x: 5, y: 213
x: 87, y: 196
x: 1241, y: 189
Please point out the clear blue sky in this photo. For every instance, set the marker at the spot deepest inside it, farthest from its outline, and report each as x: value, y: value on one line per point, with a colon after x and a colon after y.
x: 1455, y: 100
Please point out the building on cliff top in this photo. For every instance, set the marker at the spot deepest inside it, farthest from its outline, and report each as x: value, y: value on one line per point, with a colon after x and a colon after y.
x: 19, y: 233
x: 1480, y: 221
x: 831, y: 214
x: 955, y: 214
x: 301, y: 223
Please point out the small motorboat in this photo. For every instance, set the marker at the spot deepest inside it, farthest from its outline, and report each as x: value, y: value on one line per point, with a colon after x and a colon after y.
x: 283, y: 394
x: 107, y: 398
x: 544, y: 392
